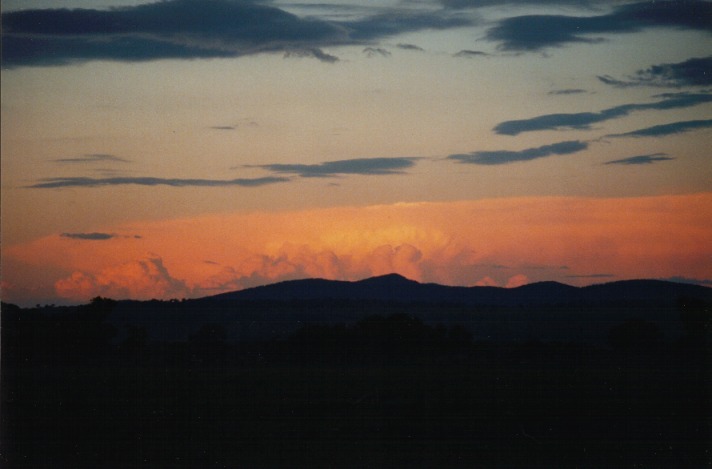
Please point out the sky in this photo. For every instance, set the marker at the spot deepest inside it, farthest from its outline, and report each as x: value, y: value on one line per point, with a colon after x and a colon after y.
x: 185, y: 148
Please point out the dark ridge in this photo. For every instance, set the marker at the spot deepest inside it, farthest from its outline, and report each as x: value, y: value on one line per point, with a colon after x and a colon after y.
x: 396, y: 288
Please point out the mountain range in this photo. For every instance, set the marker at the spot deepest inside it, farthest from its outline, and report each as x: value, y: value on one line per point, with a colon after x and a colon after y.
x: 396, y: 288
x: 547, y: 311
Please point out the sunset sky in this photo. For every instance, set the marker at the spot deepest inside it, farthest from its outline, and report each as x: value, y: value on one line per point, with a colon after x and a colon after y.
x: 185, y: 148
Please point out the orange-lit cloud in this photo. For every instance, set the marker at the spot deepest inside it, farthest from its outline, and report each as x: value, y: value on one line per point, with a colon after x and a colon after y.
x: 505, y: 242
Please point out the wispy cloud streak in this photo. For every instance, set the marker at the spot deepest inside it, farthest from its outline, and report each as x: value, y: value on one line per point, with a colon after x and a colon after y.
x: 642, y: 159
x: 88, y: 236
x: 359, y: 166
x: 470, y: 53
x: 93, y: 158
x: 53, y: 183
x: 692, y: 72
x: 667, y: 129
x: 584, y: 120
x: 507, y: 157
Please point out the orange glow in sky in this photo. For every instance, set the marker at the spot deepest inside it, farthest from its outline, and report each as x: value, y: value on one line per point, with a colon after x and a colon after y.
x: 505, y: 242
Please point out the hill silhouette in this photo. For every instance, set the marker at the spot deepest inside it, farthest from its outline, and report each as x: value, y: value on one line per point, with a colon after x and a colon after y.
x: 382, y: 372
x: 396, y: 288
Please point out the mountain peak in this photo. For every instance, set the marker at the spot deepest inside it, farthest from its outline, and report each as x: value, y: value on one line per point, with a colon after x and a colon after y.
x: 388, y: 279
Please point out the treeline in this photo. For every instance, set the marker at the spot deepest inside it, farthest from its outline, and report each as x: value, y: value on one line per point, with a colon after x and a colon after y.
x: 386, y: 391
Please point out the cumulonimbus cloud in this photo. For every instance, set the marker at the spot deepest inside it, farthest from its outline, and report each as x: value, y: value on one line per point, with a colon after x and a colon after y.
x: 53, y: 183
x: 537, y: 32
x: 141, y: 279
x: 691, y: 72
x: 642, y: 159
x: 667, y: 129
x: 584, y: 120
x: 507, y: 156
x: 359, y: 166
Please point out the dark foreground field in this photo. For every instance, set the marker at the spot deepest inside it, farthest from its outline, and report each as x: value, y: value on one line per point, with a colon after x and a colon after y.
x: 387, y: 391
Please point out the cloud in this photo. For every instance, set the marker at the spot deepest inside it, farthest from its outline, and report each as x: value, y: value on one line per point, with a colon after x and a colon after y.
x: 567, y: 92
x: 192, y: 29
x: 583, y: 120
x: 374, y: 51
x: 361, y: 166
x: 517, y: 281
x: 88, y: 236
x: 142, y: 279
x: 313, y: 52
x: 642, y: 159
x: 399, y: 21
x: 52, y: 183
x: 455, y: 243
x: 410, y: 47
x: 97, y: 236
x: 470, y: 53
x: 93, y: 158
x: 506, y: 156
x: 537, y: 32
x: 460, y: 4
x: 223, y: 127
x: 591, y: 276
x: 667, y: 129
x: 692, y: 72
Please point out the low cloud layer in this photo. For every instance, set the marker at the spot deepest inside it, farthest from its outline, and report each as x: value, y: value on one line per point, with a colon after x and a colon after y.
x: 360, y: 166
x: 667, y: 129
x: 642, y: 159
x: 537, y: 32
x: 53, y: 183
x: 584, y: 120
x: 507, y: 156
x: 692, y: 72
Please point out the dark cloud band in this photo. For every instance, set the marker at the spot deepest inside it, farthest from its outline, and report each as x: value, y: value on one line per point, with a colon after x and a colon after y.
x: 583, y: 120
x: 89, y: 236
x: 190, y: 29
x: 692, y: 72
x: 93, y: 158
x: 506, y: 156
x: 359, y: 166
x: 537, y: 32
x: 53, y: 183
x: 642, y: 159
x: 667, y: 129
